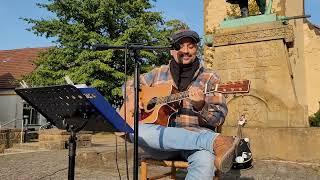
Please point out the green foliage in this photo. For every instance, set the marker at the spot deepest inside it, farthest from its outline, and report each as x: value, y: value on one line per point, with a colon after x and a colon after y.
x: 78, y: 24
x: 314, y: 119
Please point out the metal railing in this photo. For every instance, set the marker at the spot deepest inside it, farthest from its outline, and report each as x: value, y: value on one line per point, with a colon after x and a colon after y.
x: 25, y: 131
x: 24, y: 128
x: 9, y: 122
x: 45, y: 126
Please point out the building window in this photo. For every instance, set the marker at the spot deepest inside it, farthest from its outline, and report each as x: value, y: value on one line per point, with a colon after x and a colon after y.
x: 30, y: 115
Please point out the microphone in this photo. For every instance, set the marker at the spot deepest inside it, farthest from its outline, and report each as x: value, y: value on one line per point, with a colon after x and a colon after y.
x: 135, y: 46
x: 175, y: 46
x: 207, y: 39
x: 101, y: 47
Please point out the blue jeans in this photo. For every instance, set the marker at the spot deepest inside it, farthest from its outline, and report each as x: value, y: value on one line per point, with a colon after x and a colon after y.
x: 170, y: 142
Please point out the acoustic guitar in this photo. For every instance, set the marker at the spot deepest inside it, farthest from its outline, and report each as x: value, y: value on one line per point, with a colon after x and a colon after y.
x: 162, y: 101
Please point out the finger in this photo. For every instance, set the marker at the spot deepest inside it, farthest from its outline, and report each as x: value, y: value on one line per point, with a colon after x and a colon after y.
x: 192, y: 91
x: 140, y: 105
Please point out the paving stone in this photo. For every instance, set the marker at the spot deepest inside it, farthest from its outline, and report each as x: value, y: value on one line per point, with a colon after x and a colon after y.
x: 102, y: 164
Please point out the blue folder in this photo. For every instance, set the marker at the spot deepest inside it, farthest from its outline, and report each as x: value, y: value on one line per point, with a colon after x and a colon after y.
x: 108, y: 112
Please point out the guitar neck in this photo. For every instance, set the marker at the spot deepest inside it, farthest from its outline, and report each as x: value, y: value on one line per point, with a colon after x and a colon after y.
x: 228, y: 88
x: 173, y: 97
x: 176, y: 97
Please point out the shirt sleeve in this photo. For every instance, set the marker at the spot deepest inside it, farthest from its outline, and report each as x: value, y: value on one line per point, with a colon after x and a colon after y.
x: 215, y: 108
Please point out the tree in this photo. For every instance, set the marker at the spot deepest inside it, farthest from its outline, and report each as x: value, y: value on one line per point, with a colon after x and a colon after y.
x: 314, y: 119
x: 81, y: 23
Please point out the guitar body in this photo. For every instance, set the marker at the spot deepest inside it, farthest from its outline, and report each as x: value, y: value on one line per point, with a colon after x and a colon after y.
x: 151, y: 113
x: 161, y: 102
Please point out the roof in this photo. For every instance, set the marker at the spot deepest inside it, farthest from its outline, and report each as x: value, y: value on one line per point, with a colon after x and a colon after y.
x: 16, y: 63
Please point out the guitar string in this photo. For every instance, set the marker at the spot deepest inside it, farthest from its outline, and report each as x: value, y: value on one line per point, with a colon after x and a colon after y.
x: 172, y: 98
x: 185, y: 94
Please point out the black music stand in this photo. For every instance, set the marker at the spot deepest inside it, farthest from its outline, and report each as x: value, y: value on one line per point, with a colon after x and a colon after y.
x: 66, y: 108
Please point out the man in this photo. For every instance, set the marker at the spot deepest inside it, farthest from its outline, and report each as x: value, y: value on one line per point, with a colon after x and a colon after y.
x: 191, y: 137
x: 244, y: 8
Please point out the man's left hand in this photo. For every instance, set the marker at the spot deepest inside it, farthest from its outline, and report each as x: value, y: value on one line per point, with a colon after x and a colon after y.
x: 197, y: 98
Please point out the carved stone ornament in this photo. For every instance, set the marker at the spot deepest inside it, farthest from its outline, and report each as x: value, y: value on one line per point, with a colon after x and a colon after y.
x: 254, y: 33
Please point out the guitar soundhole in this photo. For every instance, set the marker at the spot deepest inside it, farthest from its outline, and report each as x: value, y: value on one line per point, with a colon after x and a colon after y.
x: 152, y: 103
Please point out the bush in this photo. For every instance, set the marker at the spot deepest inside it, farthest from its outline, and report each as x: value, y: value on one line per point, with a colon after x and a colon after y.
x: 314, y: 119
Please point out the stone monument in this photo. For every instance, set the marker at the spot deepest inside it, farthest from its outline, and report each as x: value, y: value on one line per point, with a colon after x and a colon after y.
x: 256, y: 48
x: 266, y: 50
x: 243, y: 4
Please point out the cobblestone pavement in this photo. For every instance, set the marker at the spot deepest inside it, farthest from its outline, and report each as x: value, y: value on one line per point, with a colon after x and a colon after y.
x: 47, y: 165
x: 100, y: 164
x: 53, y: 165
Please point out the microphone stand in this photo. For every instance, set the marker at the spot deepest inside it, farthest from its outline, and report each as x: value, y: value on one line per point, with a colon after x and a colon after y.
x: 134, y: 49
x: 137, y: 63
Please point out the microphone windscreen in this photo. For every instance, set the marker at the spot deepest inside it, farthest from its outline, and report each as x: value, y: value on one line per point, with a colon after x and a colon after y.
x: 176, y: 46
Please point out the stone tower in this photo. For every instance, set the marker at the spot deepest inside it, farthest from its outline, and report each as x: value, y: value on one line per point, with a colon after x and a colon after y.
x: 282, y: 62
x: 300, y: 93
x: 303, y: 55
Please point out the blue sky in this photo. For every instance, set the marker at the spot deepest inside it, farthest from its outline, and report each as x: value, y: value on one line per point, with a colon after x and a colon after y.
x: 13, y: 33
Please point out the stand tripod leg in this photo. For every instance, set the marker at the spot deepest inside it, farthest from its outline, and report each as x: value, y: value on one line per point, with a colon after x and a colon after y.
x: 72, y: 155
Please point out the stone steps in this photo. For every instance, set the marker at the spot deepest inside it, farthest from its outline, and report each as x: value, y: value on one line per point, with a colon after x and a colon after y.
x: 23, y: 147
x: 27, y: 146
x: 103, y: 147
x: 100, y: 143
x: 17, y: 151
x: 103, y: 157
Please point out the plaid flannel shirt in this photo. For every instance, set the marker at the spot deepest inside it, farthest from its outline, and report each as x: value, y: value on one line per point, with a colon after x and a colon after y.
x: 215, y: 109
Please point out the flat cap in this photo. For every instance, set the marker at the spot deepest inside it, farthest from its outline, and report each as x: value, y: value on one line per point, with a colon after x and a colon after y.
x: 177, y: 36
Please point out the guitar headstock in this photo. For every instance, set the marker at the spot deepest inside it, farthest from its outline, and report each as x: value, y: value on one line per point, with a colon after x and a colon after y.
x: 234, y: 87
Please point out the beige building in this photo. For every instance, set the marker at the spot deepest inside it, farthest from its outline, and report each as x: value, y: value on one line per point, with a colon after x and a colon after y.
x: 304, y: 56
x: 312, y: 59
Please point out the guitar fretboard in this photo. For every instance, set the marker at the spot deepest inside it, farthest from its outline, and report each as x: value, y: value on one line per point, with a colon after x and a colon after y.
x: 227, y: 88
x: 171, y: 98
